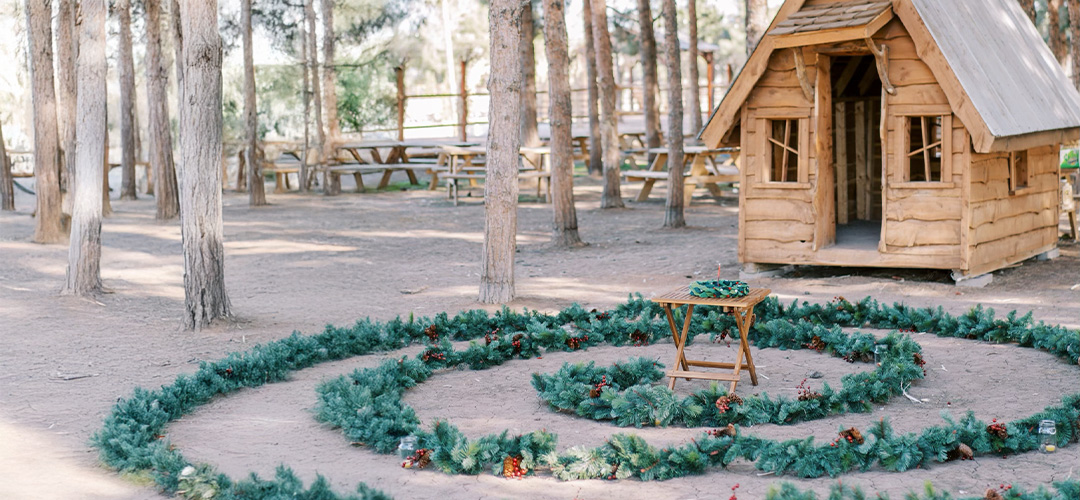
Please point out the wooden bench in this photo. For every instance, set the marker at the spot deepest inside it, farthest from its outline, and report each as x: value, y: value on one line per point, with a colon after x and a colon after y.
x: 387, y: 169
x: 543, y: 180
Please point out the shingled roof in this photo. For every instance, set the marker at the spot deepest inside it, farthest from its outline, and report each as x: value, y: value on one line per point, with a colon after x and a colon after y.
x: 831, y: 16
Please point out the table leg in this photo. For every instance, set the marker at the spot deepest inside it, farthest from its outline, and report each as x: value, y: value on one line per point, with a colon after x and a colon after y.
x: 748, y: 320
x: 674, y: 331
x: 680, y: 359
x: 359, y: 178
x: 741, y: 350
x: 657, y: 166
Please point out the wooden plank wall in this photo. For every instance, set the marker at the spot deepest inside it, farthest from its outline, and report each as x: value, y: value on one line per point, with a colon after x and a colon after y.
x: 920, y: 221
x: 778, y: 222
x: 1006, y: 227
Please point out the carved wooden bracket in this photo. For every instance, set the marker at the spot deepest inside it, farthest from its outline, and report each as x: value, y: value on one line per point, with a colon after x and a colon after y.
x: 800, y: 71
x: 881, y: 56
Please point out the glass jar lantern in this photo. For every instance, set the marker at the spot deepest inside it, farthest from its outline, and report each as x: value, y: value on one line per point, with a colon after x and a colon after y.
x: 1047, y: 436
x: 879, y: 353
x: 407, y: 447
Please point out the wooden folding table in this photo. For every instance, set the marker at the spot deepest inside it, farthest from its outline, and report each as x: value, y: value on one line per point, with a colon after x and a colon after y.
x: 743, y: 310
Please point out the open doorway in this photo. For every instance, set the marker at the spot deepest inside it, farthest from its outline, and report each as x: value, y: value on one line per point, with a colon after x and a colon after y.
x: 857, y: 151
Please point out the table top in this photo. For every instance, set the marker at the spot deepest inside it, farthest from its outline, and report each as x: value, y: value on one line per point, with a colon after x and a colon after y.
x: 539, y: 150
x: 681, y: 295
x: 693, y: 150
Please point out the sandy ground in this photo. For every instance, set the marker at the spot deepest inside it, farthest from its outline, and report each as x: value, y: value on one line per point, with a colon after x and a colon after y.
x: 307, y: 261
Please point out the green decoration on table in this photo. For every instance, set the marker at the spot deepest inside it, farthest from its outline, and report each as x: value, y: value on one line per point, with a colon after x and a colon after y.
x: 719, y: 289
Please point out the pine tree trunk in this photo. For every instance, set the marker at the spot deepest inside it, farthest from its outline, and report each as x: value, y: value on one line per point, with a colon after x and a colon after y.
x: 756, y: 22
x: 316, y: 93
x: 560, y: 110
x: 673, y: 215
x: 305, y: 90
x: 127, y: 103
x: 503, y: 146
x: 1074, y: 34
x: 166, y: 195
x: 49, y: 227
x: 106, y: 206
x: 84, y: 252
x: 609, y: 131
x: 256, y: 184
x: 7, y: 183
x: 596, y: 160
x: 530, y: 136
x: 1028, y: 7
x: 329, y: 88
x: 178, y: 48
x: 205, y: 299
x: 650, y: 95
x: 67, y: 48
x: 1057, y: 38
x: 694, y: 101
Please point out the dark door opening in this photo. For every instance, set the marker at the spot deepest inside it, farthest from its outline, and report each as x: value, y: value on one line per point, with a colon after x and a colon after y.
x: 857, y: 154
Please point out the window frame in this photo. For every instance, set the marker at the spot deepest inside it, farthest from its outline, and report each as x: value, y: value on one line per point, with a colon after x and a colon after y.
x: 903, y: 147
x: 1015, y: 187
x: 764, y: 129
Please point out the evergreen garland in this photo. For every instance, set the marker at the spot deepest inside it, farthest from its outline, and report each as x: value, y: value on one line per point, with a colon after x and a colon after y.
x: 133, y: 436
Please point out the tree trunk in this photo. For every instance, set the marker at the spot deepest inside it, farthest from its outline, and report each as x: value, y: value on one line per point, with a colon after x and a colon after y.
x: 756, y: 22
x: 256, y: 185
x: 694, y: 102
x: 329, y: 87
x: 560, y: 111
x: 673, y: 215
x: 205, y: 299
x: 127, y: 103
x: 596, y: 160
x: 530, y: 136
x: 1028, y: 7
x: 7, y: 183
x: 1074, y: 34
x: 503, y: 145
x: 1057, y: 39
x: 609, y: 132
x: 84, y: 251
x: 306, y: 93
x: 161, y: 146
x: 178, y: 49
x: 49, y: 227
x: 67, y: 48
x: 650, y: 94
x: 106, y: 206
x: 316, y: 93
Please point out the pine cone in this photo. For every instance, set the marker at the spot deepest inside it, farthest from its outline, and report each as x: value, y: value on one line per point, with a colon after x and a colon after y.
x: 962, y: 452
x: 432, y: 333
x: 852, y: 435
x: 992, y: 494
x: 508, y: 467
x: 726, y: 431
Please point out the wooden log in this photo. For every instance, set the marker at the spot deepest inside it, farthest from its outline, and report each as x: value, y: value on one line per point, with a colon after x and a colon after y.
x: 1016, y: 224
x: 861, y: 202
x: 911, y: 233
x: 840, y: 115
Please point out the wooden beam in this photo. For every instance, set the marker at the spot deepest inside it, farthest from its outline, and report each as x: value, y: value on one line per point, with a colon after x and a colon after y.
x: 800, y: 71
x: 824, y: 196
x: 881, y: 57
x: 861, y: 180
x: 1034, y: 140
x: 841, y: 163
x: 819, y: 37
x: 846, y: 75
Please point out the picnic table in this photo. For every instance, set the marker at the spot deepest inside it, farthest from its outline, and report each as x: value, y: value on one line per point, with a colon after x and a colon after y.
x: 385, y: 156
x: 580, y: 138
x: 704, y: 170
x: 463, y: 162
x: 743, y: 310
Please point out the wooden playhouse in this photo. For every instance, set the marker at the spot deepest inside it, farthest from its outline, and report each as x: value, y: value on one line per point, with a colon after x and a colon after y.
x: 903, y: 133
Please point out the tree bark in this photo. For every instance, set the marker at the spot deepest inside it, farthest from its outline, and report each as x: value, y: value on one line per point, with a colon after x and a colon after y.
x: 596, y: 160
x: 609, y: 132
x: 67, y: 48
x: 84, y: 251
x: 106, y: 206
x: 1028, y: 7
x: 530, y: 136
x: 256, y: 184
x: 178, y: 48
x: 673, y: 215
x: 560, y: 111
x: 305, y: 90
x: 7, y: 183
x: 650, y: 95
x: 694, y: 101
x: 166, y: 195
x: 205, y: 299
x: 49, y: 227
x: 316, y: 93
x: 127, y: 103
x: 503, y: 145
x: 1074, y: 34
x: 1057, y: 39
x: 756, y: 22
x: 329, y: 88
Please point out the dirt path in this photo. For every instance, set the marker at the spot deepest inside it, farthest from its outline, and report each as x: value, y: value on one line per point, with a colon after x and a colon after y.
x: 308, y: 260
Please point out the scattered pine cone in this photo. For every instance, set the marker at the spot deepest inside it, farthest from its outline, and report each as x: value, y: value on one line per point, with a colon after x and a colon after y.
x: 998, y: 430
x: 512, y: 467
x: 919, y: 361
x: 816, y: 344
x: 962, y: 452
x: 992, y: 494
x: 852, y: 435
x: 725, y: 431
x: 724, y: 403
x: 432, y: 333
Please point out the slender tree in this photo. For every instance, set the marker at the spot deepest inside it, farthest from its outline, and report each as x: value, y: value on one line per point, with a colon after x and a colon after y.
x: 205, y: 299
x: 530, y: 136
x: 178, y: 48
x: 611, y: 197
x: 84, y: 251
x: 673, y: 215
x: 596, y: 160
x: 7, y: 183
x: 1074, y: 35
x: 127, y: 103
x: 1029, y: 8
x: 329, y: 88
x: 313, y: 66
x: 305, y: 91
x: 49, y: 227
x: 503, y: 144
x: 256, y: 188
x: 650, y: 94
x: 694, y: 101
x: 166, y: 195
x: 106, y: 206
x: 1053, y: 26
x: 67, y: 48
x: 756, y: 22
x: 565, y: 228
